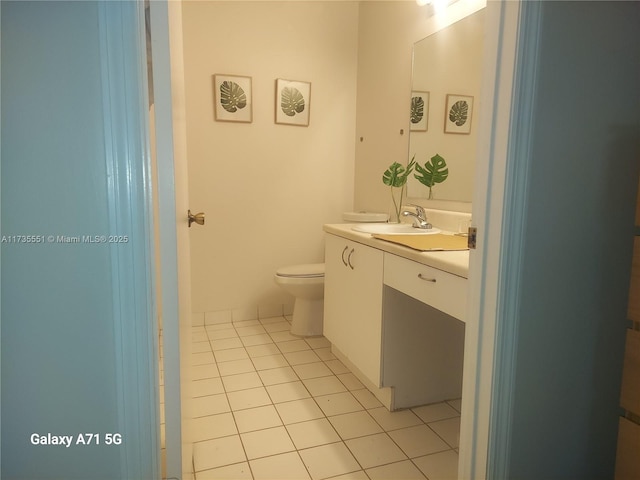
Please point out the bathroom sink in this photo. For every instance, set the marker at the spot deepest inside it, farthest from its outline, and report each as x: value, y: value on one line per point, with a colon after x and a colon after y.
x: 393, y: 229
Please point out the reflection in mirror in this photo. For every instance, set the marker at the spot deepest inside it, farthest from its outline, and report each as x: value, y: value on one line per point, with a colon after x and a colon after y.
x: 447, y: 69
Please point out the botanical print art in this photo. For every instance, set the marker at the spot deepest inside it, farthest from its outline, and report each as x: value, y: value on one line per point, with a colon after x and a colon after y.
x: 232, y: 96
x: 293, y: 102
x: 419, y: 111
x: 458, y: 111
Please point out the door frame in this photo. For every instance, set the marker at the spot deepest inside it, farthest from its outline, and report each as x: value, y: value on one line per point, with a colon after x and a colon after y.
x: 126, y: 133
x: 499, y: 206
x: 174, y: 258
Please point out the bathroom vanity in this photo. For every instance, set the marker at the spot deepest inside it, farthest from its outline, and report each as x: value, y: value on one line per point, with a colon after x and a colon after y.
x: 395, y: 316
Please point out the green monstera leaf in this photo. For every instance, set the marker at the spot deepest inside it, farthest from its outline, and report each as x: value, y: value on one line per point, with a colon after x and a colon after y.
x: 417, y: 109
x: 459, y: 112
x: 232, y: 97
x: 396, y: 175
x: 434, y: 171
x: 291, y: 101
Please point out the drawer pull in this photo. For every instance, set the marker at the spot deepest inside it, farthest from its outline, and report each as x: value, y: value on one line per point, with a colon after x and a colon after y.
x: 426, y: 279
x: 349, y: 258
x: 343, y: 252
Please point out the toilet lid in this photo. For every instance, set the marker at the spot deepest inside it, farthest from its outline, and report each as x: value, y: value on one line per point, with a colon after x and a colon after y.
x: 307, y: 270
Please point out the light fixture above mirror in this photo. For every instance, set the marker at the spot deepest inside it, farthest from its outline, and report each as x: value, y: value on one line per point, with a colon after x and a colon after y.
x: 438, y: 5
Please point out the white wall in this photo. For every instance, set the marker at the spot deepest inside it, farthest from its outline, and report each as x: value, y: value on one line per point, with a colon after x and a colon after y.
x: 266, y: 189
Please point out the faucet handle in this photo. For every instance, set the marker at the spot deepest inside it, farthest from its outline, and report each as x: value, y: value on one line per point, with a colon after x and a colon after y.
x: 419, y: 210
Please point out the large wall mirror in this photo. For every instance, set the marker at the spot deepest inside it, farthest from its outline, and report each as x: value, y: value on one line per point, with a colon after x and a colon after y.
x: 447, y: 70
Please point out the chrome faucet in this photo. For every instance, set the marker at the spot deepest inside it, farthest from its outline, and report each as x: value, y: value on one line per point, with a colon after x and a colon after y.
x: 419, y: 217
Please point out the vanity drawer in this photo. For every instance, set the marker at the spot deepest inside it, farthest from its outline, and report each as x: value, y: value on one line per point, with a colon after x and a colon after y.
x: 441, y: 290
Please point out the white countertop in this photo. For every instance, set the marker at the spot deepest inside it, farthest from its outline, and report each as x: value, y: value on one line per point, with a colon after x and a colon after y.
x: 454, y: 262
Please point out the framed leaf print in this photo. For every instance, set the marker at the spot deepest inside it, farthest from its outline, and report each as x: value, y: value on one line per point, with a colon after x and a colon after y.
x: 458, y: 111
x: 233, y: 98
x: 419, y: 111
x: 293, y: 102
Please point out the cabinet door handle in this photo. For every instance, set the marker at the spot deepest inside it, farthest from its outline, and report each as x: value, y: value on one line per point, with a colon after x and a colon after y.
x: 343, y: 252
x: 426, y: 279
x: 349, y: 258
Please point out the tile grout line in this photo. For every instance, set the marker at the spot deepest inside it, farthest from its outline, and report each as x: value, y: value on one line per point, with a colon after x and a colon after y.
x: 273, y: 404
x: 248, y: 460
x: 325, y: 416
x: 298, y: 450
x: 224, y: 389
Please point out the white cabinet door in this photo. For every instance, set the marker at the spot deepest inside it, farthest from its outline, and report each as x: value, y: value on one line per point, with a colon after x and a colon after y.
x: 353, y: 303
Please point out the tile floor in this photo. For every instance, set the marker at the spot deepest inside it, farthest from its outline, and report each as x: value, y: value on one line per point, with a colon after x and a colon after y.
x: 269, y: 405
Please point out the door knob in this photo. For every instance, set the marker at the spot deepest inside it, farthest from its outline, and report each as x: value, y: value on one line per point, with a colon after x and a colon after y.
x: 198, y: 218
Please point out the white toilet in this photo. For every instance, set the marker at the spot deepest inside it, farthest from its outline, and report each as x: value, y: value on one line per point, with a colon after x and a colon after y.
x: 306, y: 284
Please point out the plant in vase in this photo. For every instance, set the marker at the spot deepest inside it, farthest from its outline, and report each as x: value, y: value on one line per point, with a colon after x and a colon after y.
x: 434, y: 171
x: 396, y: 177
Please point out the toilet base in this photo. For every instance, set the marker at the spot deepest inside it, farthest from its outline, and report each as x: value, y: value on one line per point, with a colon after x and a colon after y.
x: 307, y: 317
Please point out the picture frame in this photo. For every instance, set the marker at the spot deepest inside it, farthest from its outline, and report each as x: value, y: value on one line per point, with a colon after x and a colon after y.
x: 233, y: 99
x: 458, y: 113
x: 419, y: 116
x: 292, y: 102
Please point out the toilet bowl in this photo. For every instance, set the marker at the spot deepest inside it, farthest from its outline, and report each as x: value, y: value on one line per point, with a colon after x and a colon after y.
x: 306, y: 284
